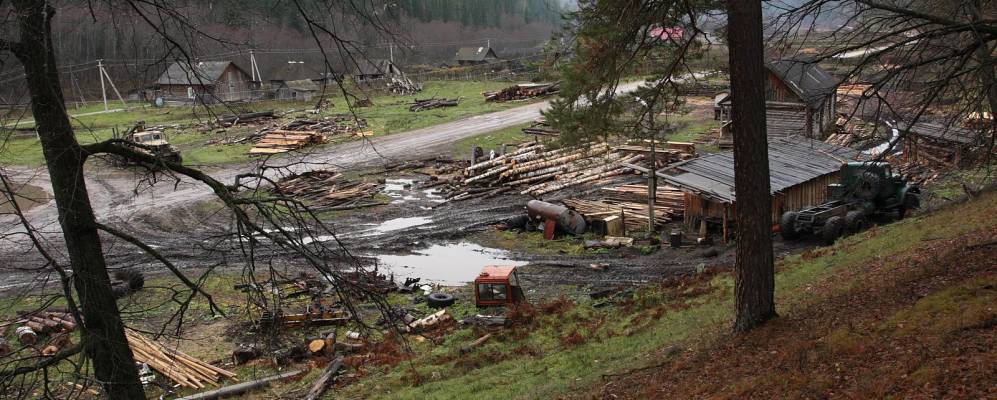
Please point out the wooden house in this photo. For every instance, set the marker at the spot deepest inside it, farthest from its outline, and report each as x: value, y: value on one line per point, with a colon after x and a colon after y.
x: 937, y: 144
x: 206, y: 82
x: 800, y: 99
x: 366, y: 69
x: 799, y: 171
x: 295, y: 81
x: 475, y: 55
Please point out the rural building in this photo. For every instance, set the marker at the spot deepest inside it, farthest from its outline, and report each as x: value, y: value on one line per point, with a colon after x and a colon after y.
x: 206, y: 82
x: 939, y: 144
x: 799, y: 100
x: 476, y: 55
x: 302, y: 89
x: 799, y: 171
x: 365, y: 69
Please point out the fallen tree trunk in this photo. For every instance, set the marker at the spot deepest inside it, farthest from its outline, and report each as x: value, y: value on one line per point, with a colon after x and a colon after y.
x: 320, y: 385
x: 241, y: 387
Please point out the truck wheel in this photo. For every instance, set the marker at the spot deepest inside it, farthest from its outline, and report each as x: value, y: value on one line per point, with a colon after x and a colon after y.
x: 832, y: 229
x: 867, y: 186
x: 855, y: 221
x: 787, y: 226
x: 439, y: 300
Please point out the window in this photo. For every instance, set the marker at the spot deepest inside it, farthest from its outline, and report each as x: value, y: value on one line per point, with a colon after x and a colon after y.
x: 492, y: 291
x: 190, y: 92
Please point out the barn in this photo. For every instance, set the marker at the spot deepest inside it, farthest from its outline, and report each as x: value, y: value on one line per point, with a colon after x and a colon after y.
x: 800, y: 99
x: 947, y: 146
x: 799, y: 171
x: 475, y: 55
x: 206, y: 82
x: 302, y: 89
x: 365, y: 70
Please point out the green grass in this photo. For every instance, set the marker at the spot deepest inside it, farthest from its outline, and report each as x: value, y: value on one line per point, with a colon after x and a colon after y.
x: 389, y: 115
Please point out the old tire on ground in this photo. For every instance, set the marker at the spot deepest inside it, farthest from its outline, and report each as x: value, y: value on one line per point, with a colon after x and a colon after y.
x: 439, y: 300
x: 855, y: 222
x: 832, y: 229
x: 867, y: 186
x: 787, y: 226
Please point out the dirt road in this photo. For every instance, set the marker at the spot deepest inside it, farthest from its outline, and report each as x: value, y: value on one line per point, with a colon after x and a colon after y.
x: 117, y: 196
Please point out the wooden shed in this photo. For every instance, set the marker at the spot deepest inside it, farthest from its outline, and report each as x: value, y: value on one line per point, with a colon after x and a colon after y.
x: 365, y: 69
x: 948, y: 146
x: 206, y: 82
x: 475, y: 55
x: 799, y: 171
x: 800, y: 99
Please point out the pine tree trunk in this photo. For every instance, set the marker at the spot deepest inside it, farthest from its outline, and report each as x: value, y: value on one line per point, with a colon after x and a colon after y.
x: 102, y: 334
x: 754, y: 276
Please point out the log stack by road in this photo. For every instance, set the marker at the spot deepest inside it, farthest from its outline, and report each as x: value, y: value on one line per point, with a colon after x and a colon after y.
x: 429, y: 104
x: 523, y: 91
x: 329, y: 190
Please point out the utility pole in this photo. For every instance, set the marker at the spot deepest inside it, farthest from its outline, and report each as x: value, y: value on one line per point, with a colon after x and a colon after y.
x: 254, y: 69
x: 103, y: 89
x: 103, y: 75
x: 391, y: 52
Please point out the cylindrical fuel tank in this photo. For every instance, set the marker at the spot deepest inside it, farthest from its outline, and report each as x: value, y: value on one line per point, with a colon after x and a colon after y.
x: 568, y: 220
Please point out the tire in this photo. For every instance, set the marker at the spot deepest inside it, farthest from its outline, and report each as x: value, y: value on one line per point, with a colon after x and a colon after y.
x: 832, y: 229
x: 867, y: 186
x: 787, y: 226
x: 439, y: 300
x: 855, y: 222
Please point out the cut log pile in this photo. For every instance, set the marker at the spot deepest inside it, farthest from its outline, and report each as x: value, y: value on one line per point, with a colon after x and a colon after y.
x: 540, y: 127
x: 631, y: 202
x: 429, y: 104
x: 523, y: 91
x: 535, y: 171
x: 402, y: 85
x: 179, y: 367
x: 281, y: 141
x: 329, y: 190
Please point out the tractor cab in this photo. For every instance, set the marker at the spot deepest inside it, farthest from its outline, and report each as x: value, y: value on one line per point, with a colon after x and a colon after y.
x: 497, y: 286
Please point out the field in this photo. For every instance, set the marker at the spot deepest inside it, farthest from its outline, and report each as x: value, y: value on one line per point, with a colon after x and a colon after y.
x: 388, y: 115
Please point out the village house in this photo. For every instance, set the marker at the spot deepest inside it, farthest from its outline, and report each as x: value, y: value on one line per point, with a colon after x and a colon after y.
x: 206, y: 82
x: 476, y: 55
x: 294, y: 81
x: 365, y: 69
x: 799, y: 100
x: 800, y: 169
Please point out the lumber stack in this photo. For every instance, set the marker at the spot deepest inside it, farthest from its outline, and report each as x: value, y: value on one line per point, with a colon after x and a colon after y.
x: 402, y: 85
x: 523, y: 91
x: 634, y: 214
x: 429, y: 104
x: 665, y: 196
x: 329, y: 190
x: 664, y: 153
x: 281, y: 141
x: 535, y: 171
x: 841, y: 139
x: 179, y: 367
x: 540, y: 127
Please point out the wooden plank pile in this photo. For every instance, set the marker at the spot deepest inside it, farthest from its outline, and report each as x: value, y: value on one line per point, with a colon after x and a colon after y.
x: 329, y: 190
x: 281, y: 141
x: 429, y: 104
x: 535, y: 171
x: 841, y: 139
x: 523, y: 91
x: 631, y: 202
x: 540, y: 127
x: 175, y: 365
x: 664, y: 153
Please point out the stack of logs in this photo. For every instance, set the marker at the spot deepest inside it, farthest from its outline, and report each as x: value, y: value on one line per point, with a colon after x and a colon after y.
x: 281, y: 141
x: 178, y: 367
x: 537, y: 171
x: 402, y: 85
x: 523, y: 92
x: 54, y: 323
x: 540, y: 127
x: 329, y: 190
x: 429, y: 104
x: 631, y: 202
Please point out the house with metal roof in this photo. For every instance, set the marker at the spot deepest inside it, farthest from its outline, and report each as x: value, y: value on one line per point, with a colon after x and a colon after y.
x: 800, y: 169
x: 800, y: 99
x: 206, y: 82
x: 476, y: 55
x: 364, y: 69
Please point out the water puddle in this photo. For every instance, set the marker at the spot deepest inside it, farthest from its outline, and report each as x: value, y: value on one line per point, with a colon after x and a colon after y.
x: 401, y: 190
x: 451, y: 264
x: 400, y: 223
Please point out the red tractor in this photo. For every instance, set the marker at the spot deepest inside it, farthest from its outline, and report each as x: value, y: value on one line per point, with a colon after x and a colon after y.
x: 497, y: 286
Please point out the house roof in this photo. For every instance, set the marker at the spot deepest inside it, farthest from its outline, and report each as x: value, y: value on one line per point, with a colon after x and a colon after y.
x: 363, y: 66
x: 202, y: 72
x: 808, y: 81
x: 943, y: 132
x: 475, y: 53
x: 792, y: 160
x: 293, y: 71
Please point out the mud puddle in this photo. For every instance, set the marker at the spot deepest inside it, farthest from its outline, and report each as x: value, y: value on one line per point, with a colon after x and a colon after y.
x: 402, y: 190
x: 450, y: 264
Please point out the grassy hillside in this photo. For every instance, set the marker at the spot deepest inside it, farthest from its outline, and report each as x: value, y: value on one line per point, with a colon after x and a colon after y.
x: 903, y: 309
